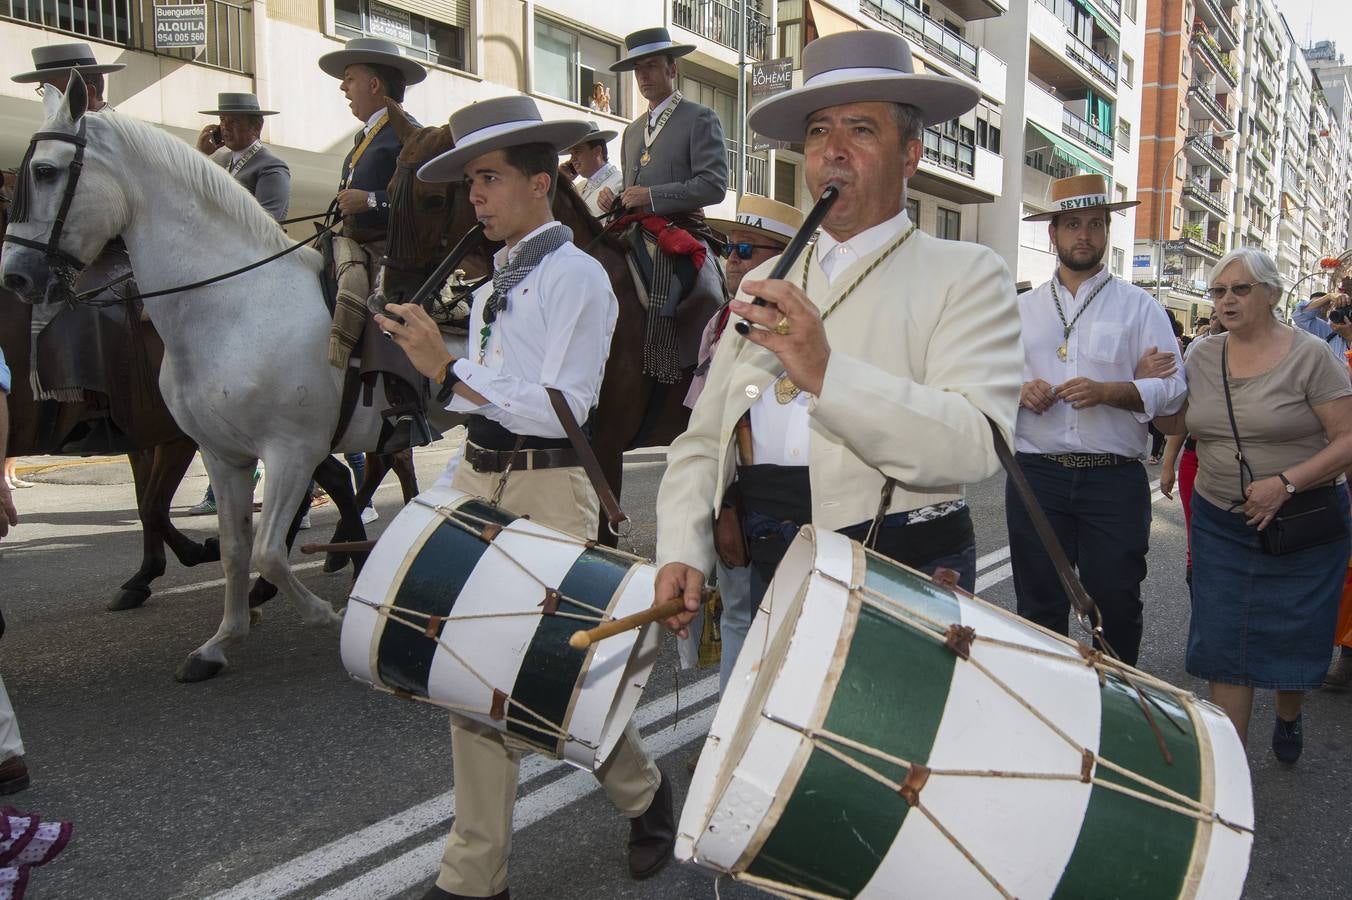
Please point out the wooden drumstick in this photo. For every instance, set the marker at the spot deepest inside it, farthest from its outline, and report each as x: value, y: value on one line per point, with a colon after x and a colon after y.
x: 581, y: 640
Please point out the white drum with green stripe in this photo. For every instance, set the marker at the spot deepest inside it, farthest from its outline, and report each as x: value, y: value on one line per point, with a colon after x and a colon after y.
x: 883, y: 736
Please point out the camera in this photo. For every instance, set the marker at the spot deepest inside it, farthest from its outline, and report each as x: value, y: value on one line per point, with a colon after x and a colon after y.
x: 1340, y: 316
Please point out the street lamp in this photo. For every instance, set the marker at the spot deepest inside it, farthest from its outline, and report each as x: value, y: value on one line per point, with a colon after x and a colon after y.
x: 1168, y: 168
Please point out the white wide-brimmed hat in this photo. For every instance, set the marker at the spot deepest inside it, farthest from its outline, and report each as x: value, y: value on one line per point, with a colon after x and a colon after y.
x: 760, y: 215
x: 49, y: 60
x: 1079, y: 192
x: 231, y: 104
x: 372, y: 52
x: 494, y: 125
x: 859, y: 67
x: 648, y: 42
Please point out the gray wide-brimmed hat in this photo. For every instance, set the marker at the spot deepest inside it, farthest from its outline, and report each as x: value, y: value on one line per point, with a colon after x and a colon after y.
x: 648, y: 42
x: 48, y: 60
x: 237, y: 104
x: 372, y: 52
x: 594, y: 133
x: 859, y: 67
x: 494, y: 125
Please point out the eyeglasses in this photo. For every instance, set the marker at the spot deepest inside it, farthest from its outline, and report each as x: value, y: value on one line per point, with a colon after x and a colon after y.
x: 1241, y: 289
x: 744, y: 249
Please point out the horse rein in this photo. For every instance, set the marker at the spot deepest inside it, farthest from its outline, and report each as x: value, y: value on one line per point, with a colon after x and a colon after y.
x: 19, y: 210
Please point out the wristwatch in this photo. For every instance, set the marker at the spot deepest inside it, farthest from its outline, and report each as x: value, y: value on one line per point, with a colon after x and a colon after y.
x: 448, y: 382
x: 371, y: 199
x: 1290, y: 488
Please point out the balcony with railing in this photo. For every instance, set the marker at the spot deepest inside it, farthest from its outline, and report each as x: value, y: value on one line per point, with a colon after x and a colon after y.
x: 932, y: 35
x: 1212, y: 105
x: 1112, y: 7
x: 1220, y: 22
x: 1089, y: 59
x: 1205, y: 45
x: 1199, y: 143
x: 756, y: 180
x: 1217, y: 202
x: 1077, y: 127
x: 131, y: 24
x: 718, y: 21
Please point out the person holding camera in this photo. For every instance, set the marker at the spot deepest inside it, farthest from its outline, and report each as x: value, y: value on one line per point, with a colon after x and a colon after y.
x: 1328, y: 315
x: 1271, y: 409
x: 236, y: 145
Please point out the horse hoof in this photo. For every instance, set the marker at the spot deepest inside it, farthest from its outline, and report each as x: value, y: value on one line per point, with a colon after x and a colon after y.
x: 211, y: 550
x: 130, y: 598
x: 261, y: 592
x: 195, y: 669
x: 335, y: 562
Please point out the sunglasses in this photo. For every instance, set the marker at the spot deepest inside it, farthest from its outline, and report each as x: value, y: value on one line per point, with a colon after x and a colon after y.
x: 1239, y: 290
x: 744, y: 249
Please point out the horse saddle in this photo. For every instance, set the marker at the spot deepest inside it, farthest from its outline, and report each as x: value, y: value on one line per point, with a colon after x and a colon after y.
x: 673, y: 289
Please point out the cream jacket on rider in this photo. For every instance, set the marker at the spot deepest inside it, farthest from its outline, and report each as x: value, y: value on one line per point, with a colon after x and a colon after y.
x: 921, y: 352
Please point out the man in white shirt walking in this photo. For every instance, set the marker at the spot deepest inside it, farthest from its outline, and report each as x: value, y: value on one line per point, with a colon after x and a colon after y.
x: 544, y: 323
x: 1082, y: 424
x: 591, y: 157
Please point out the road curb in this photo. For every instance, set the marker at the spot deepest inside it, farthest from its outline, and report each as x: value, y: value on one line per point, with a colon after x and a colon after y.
x: 36, y: 468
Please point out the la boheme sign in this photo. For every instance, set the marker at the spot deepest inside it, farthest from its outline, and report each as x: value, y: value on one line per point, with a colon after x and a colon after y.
x: 181, y: 26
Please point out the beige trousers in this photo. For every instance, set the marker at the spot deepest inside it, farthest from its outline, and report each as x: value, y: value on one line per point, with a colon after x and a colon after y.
x: 10, y: 742
x: 486, y: 765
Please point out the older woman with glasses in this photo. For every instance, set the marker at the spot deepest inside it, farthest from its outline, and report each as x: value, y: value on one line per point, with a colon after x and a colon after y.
x: 1271, y: 409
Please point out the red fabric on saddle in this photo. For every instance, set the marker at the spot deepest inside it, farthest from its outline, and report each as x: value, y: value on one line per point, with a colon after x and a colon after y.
x: 671, y: 240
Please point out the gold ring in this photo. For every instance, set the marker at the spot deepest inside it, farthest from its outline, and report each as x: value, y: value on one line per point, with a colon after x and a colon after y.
x: 782, y: 326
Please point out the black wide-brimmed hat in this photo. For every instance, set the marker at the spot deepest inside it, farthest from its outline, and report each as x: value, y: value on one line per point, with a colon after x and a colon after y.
x: 237, y: 104
x: 495, y: 125
x: 859, y: 67
x: 372, y: 52
x: 49, y: 60
x: 648, y: 42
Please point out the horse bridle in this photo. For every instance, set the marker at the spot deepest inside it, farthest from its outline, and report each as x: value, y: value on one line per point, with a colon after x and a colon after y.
x: 52, y: 249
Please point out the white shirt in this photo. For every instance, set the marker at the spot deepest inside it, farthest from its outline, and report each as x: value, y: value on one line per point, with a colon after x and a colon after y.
x: 779, y: 431
x: 236, y: 154
x: 657, y: 110
x: 375, y: 117
x: 1105, y: 344
x: 608, y: 176
x: 554, y: 333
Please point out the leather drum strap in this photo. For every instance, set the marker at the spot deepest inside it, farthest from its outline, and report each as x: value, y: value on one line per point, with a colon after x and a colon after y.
x: 1079, y: 597
x: 609, y: 503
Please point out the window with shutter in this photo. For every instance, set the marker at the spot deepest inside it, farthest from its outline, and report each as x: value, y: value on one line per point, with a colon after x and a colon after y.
x: 436, y: 31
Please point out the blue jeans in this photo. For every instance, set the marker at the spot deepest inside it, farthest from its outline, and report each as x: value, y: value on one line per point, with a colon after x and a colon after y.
x: 734, y: 586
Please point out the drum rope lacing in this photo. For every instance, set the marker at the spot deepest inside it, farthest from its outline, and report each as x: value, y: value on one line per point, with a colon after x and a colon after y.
x: 431, y: 622
x: 830, y: 742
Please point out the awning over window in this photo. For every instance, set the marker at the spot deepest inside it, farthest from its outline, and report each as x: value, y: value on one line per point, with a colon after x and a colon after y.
x: 829, y: 21
x: 1070, y: 154
x: 1103, y: 20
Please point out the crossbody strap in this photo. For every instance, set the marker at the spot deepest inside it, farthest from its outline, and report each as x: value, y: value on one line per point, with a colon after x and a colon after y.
x: 614, y: 514
x: 1230, y: 410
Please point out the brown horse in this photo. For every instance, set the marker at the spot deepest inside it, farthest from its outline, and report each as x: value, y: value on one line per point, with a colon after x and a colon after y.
x: 425, y: 219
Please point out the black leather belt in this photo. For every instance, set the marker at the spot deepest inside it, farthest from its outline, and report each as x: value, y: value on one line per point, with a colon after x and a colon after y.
x: 482, y: 460
x: 1087, y: 460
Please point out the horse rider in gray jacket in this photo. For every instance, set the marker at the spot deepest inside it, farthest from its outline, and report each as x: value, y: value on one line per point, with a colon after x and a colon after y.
x: 236, y: 145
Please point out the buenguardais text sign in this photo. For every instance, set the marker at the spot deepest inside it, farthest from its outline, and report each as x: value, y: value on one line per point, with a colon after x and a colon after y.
x: 182, y: 26
x: 388, y: 22
x: 767, y: 78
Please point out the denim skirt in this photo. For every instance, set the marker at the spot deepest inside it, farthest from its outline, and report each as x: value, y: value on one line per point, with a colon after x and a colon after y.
x: 1259, y: 620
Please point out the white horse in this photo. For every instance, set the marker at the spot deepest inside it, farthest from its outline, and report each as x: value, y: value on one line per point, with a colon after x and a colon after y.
x: 244, y: 371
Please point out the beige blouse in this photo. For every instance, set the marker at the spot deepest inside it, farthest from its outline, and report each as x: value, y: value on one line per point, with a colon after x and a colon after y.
x: 1274, y: 412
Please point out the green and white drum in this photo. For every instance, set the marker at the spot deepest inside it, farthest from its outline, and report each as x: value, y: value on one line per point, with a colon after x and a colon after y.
x: 468, y: 606
x: 883, y: 736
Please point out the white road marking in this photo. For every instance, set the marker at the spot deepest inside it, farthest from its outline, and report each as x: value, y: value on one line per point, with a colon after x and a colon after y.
x: 420, y: 863
x: 220, y: 582
x: 322, y: 862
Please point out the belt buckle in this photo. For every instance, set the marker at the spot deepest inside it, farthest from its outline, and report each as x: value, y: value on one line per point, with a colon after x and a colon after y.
x: 477, y: 456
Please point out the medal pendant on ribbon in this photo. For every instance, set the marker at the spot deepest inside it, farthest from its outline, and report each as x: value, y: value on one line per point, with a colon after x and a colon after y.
x: 785, y: 389
x: 645, y: 158
x: 1061, y: 353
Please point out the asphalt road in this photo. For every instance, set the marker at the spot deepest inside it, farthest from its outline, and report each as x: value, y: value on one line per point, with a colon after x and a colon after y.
x: 284, y: 778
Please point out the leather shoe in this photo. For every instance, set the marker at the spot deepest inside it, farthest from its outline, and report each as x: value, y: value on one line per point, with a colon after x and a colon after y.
x: 652, y: 836
x: 436, y: 893
x: 1288, y: 739
x: 13, y: 775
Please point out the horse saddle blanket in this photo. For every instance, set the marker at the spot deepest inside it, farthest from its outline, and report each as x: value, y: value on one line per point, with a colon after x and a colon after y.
x: 352, y: 273
x: 679, y: 297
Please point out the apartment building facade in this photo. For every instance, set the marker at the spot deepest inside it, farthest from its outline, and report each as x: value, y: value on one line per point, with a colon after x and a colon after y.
x: 1074, y: 106
x: 552, y: 50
